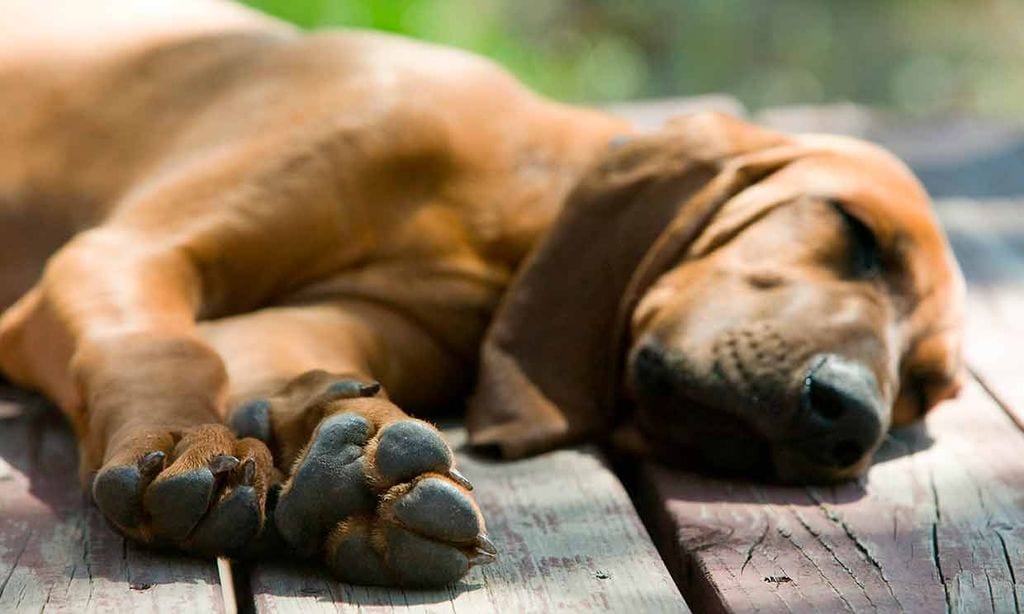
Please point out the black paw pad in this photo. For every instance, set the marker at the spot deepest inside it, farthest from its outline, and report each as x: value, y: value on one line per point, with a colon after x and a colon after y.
x: 252, y: 420
x: 177, y: 503
x: 354, y: 560
x: 329, y: 485
x: 418, y: 561
x: 436, y: 508
x: 410, y: 448
x: 118, y: 493
x: 230, y: 525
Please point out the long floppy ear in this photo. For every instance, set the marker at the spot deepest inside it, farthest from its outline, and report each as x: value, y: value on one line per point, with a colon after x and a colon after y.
x: 550, y: 361
x: 932, y: 372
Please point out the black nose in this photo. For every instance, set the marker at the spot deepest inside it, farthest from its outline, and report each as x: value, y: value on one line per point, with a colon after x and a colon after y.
x: 652, y: 373
x: 841, y: 417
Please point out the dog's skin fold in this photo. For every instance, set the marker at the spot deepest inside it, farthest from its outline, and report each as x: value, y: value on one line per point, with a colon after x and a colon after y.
x: 235, y: 256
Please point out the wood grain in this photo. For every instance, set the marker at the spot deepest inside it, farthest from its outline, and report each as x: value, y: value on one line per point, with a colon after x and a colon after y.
x: 56, y: 551
x: 988, y: 238
x: 938, y: 523
x: 569, y: 540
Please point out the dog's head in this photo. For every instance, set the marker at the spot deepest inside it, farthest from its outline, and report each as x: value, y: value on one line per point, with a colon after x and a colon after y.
x: 768, y: 304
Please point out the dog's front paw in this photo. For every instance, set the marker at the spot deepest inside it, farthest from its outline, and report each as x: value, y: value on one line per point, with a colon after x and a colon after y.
x: 199, y: 489
x: 374, y: 492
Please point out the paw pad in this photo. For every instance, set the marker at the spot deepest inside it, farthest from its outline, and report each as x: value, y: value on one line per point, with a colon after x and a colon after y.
x: 384, y: 507
x: 194, y: 493
x: 328, y: 486
x: 438, y: 509
x: 252, y: 420
x: 179, y: 502
x: 118, y: 493
x: 409, y: 448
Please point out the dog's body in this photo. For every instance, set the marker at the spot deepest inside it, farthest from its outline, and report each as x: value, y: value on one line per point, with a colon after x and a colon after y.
x: 234, y: 217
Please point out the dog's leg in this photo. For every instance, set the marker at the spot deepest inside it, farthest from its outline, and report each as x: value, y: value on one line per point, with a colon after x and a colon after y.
x: 369, y: 488
x: 109, y: 334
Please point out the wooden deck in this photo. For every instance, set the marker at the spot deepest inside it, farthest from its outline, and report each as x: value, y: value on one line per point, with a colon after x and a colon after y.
x: 57, y: 552
x: 938, y: 525
x: 569, y: 536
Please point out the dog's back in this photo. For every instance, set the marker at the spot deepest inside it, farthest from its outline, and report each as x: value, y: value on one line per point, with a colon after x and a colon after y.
x: 103, y: 100
x: 73, y: 125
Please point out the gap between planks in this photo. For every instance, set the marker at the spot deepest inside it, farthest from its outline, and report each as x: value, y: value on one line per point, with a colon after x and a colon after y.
x: 56, y: 551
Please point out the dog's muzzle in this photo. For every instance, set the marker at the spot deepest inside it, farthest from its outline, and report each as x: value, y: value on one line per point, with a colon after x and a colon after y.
x: 832, y: 422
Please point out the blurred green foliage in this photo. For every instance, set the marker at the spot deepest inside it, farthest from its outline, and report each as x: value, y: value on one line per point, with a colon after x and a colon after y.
x: 916, y: 56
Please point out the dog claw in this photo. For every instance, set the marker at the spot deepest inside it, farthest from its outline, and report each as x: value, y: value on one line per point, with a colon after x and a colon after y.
x: 457, y: 477
x: 222, y: 463
x: 486, y: 551
x: 486, y: 546
x: 369, y: 390
x: 351, y: 389
x: 151, y: 464
x: 248, y: 472
x: 482, y: 558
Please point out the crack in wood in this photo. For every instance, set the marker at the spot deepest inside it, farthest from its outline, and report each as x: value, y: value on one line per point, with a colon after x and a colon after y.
x: 835, y: 556
x: 87, y: 547
x: 938, y: 566
x: 789, y: 537
x: 14, y: 565
x: 935, y: 541
x: 997, y: 398
x: 753, y: 546
x: 861, y: 547
x: 1009, y: 565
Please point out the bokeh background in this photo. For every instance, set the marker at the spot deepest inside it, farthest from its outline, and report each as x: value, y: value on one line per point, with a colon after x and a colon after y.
x: 919, y: 57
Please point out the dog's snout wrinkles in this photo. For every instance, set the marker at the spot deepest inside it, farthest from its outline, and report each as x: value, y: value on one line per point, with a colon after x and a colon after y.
x: 841, y: 415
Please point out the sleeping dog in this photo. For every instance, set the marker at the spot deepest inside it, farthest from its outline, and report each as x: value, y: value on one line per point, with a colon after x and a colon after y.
x: 239, y: 258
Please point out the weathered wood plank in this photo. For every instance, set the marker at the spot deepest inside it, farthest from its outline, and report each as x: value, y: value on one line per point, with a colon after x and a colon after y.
x: 56, y: 551
x: 569, y: 538
x: 988, y: 238
x: 939, y: 521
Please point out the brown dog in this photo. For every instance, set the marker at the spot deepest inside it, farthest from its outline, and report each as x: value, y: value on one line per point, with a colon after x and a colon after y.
x: 210, y: 219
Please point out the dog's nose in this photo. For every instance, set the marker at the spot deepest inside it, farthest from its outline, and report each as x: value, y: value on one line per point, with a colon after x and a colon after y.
x: 841, y: 411
x: 651, y: 370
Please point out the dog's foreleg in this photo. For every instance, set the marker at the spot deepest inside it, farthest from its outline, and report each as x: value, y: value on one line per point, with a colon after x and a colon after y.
x: 109, y: 333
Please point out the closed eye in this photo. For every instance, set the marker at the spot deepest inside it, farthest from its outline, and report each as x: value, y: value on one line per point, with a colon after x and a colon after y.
x: 865, y: 259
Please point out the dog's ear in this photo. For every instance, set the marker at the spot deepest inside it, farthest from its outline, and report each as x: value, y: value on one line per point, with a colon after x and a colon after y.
x: 550, y: 363
x: 932, y: 372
